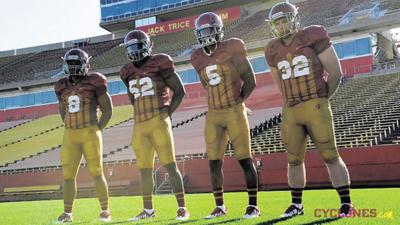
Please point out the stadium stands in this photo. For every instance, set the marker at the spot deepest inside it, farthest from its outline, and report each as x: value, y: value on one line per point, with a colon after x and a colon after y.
x: 4, y: 61
x: 12, y: 124
x: 31, y: 193
x: 42, y: 136
x: 173, y: 44
x: 109, y: 54
x: 44, y: 64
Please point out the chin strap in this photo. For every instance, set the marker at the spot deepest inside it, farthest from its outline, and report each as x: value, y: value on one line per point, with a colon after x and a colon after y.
x: 211, y: 52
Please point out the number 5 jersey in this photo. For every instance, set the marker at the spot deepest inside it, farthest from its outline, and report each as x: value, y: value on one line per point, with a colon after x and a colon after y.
x: 219, y: 72
x: 147, y: 85
x: 80, y: 99
x: 301, y: 72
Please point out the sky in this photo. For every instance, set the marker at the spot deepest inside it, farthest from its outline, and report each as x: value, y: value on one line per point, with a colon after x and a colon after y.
x: 27, y: 23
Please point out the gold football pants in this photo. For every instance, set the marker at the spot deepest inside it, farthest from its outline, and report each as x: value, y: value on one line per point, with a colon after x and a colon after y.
x: 77, y: 142
x: 221, y: 124
x: 313, y: 118
x: 150, y: 136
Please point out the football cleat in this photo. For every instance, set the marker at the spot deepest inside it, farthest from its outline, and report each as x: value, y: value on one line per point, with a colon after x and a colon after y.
x: 217, y: 212
x: 143, y: 215
x: 105, y: 216
x: 346, y: 210
x: 64, y: 218
x: 182, y: 214
x: 293, y: 210
x: 252, y: 212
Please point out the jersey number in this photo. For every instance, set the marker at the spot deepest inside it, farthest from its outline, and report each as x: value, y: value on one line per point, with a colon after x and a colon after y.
x: 301, y: 67
x: 213, y: 76
x: 73, y: 104
x: 145, y: 87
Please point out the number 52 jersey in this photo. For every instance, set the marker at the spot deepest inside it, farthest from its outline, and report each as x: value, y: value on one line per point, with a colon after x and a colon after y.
x: 147, y: 85
x: 298, y: 65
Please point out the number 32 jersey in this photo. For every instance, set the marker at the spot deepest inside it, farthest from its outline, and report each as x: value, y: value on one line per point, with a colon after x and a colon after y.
x: 148, y: 87
x: 301, y: 72
x: 219, y: 72
x: 80, y: 99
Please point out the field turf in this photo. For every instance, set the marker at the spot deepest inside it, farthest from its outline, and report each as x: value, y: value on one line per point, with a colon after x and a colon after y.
x: 378, y: 206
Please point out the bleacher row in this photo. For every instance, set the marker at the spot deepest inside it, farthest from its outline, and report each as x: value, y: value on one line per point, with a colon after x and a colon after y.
x: 111, y: 54
x: 117, y: 142
x: 43, y: 64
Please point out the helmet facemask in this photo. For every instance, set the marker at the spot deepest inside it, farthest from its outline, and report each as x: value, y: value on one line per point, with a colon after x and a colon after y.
x: 209, y: 31
x: 284, y: 25
x: 209, y: 35
x: 138, y: 50
x: 75, y: 66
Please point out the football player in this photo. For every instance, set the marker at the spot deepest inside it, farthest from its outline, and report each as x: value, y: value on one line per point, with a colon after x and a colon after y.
x: 149, y: 79
x: 80, y: 94
x: 298, y: 58
x: 228, y: 78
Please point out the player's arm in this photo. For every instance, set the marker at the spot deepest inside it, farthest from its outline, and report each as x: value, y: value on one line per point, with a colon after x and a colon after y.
x: 202, y: 81
x: 122, y: 74
x: 174, y: 82
x: 130, y: 95
x: 276, y: 78
x: 106, y: 109
x: 331, y: 64
x: 61, y: 108
x: 248, y: 78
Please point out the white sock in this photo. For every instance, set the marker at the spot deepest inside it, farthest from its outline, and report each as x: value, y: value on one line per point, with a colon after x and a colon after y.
x: 222, y: 207
x: 149, y: 211
x: 298, y: 205
x: 254, y: 206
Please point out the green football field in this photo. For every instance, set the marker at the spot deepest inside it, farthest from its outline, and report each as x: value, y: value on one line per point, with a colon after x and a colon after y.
x: 375, y: 206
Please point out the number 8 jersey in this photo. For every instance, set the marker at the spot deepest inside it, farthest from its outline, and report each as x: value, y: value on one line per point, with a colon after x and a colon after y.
x: 80, y: 99
x: 148, y: 86
x: 301, y: 72
x: 220, y: 74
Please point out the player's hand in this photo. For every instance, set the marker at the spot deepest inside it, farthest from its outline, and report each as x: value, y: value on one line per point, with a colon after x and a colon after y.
x: 249, y: 112
x: 165, y: 114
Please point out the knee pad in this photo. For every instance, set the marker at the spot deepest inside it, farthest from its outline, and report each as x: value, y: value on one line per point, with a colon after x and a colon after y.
x: 68, y: 174
x: 294, y: 160
x: 330, y: 155
x: 95, y: 171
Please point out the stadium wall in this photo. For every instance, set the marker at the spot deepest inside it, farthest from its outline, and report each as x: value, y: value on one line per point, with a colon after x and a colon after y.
x: 368, y: 166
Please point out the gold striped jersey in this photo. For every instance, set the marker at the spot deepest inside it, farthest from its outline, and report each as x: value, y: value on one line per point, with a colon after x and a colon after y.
x: 301, y: 72
x: 220, y: 74
x: 147, y: 85
x: 80, y: 99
